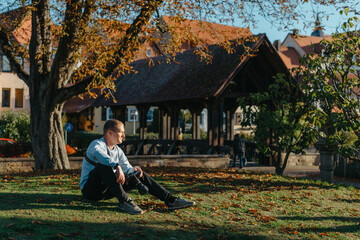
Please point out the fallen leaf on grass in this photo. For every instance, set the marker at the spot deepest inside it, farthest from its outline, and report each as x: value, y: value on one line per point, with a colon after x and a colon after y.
x: 37, y: 221
x: 324, y: 234
x: 125, y: 234
x: 289, y: 229
x: 11, y: 224
x: 69, y: 234
x: 236, y: 219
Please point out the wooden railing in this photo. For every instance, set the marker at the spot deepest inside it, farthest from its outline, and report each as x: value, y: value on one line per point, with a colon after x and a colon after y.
x: 172, y: 147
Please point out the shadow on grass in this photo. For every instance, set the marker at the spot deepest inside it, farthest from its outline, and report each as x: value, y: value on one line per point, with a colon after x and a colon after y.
x: 342, y: 229
x: 13, y: 201
x: 17, y: 201
x: 125, y: 228
x: 346, y: 200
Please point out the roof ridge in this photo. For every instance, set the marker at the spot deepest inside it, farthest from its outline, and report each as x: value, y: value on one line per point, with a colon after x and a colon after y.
x: 201, y: 21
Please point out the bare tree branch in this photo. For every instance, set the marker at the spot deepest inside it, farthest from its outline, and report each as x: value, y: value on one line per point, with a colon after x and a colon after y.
x: 6, y: 48
x: 125, y: 46
x: 74, y: 24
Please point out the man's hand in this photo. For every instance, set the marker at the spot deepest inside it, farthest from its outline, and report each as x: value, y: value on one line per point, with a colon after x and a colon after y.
x: 138, y: 169
x: 120, y: 174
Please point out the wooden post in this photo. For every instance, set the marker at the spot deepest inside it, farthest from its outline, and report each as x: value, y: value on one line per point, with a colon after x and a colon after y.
x: 195, y: 113
x: 215, y: 126
x: 164, y: 119
x: 220, y: 136
x: 174, y: 123
x: 168, y: 126
x: 142, y: 119
x: 230, y: 106
x: 161, y: 123
x: 230, y: 123
x: 210, y: 123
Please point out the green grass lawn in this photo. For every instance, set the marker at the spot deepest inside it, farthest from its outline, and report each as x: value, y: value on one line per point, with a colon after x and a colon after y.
x: 230, y: 205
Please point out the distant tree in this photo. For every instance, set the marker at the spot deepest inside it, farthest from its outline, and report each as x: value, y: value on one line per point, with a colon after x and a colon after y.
x: 77, y: 55
x: 281, y: 120
x: 333, y: 76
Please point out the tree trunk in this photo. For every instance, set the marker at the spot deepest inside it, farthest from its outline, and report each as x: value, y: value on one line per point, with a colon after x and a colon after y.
x: 278, y: 163
x: 48, y: 138
x: 281, y: 168
x: 281, y: 165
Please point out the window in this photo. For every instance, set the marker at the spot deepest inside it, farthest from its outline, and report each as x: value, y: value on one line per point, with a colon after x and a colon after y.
x: 148, y: 52
x: 150, y: 115
x: 5, y: 97
x: 19, y: 98
x: 5, y: 64
x: 133, y: 115
x: 20, y: 60
x: 106, y: 114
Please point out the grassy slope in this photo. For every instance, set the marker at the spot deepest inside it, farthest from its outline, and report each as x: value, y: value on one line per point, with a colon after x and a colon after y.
x: 230, y: 205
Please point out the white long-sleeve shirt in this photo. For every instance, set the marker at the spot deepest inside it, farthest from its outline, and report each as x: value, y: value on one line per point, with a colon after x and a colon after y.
x: 98, y: 153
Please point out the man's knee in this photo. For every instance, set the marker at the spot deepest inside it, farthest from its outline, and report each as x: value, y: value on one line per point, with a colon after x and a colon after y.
x: 103, y: 167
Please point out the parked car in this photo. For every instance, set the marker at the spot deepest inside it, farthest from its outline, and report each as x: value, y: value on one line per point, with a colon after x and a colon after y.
x: 10, y: 148
x: 5, y: 141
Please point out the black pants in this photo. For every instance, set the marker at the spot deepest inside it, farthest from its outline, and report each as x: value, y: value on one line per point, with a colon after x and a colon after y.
x: 102, y: 184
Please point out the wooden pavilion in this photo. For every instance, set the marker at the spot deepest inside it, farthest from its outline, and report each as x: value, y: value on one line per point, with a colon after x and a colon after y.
x: 194, y: 84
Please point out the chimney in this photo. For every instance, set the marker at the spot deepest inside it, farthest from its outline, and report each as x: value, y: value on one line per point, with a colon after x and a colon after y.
x: 277, y: 45
x: 295, y: 33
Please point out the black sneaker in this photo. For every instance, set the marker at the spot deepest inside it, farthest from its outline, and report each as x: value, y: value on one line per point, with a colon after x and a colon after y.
x: 130, y: 207
x: 180, y: 203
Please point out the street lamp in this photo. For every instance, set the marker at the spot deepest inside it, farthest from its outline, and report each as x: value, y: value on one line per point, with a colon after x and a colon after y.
x: 134, y: 113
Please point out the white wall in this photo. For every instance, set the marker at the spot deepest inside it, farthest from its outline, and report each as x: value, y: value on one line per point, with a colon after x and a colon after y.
x: 11, y: 81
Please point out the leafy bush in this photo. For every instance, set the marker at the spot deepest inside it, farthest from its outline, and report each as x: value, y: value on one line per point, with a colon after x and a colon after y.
x: 15, y: 126
x: 203, y: 134
x: 82, y: 139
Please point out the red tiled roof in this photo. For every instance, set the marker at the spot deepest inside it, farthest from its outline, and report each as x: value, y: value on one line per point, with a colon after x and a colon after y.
x: 208, y: 33
x: 289, y: 56
x: 18, y: 21
x: 310, y: 43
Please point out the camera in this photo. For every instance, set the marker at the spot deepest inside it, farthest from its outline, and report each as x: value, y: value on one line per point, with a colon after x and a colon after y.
x: 140, y: 186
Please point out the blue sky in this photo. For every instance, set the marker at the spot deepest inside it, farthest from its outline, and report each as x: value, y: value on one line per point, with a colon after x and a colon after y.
x: 329, y: 16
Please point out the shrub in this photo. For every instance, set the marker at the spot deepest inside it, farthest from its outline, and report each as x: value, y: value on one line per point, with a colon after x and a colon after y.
x: 15, y: 126
x: 82, y: 139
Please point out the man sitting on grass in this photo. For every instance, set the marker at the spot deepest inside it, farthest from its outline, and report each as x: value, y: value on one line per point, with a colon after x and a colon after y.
x: 107, y: 173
